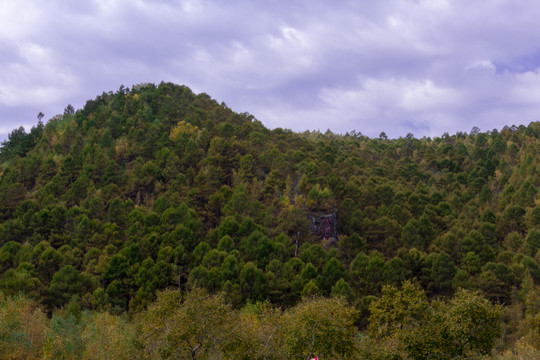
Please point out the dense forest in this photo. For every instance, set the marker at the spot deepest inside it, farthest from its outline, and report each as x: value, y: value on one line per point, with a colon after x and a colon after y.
x: 158, y: 223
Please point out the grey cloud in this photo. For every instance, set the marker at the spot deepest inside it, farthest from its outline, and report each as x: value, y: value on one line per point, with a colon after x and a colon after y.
x: 417, y: 66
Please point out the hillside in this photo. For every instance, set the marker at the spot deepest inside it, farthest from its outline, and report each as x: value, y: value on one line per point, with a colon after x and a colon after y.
x: 156, y: 187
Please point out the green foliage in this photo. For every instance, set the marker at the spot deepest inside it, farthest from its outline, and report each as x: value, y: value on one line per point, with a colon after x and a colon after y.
x: 23, y: 328
x: 396, y: 310
x: 194, y: 327
x: 320, y: 327
x: 154, y: 186
x: 466, y: 327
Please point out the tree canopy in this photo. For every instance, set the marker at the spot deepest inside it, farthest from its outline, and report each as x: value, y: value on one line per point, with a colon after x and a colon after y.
x: 156, y: 187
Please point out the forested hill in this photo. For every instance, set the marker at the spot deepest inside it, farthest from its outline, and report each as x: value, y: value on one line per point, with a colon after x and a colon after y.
x: 155, y: 187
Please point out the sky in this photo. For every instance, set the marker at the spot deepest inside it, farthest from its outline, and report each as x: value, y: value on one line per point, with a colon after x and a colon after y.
x: 424, y: 67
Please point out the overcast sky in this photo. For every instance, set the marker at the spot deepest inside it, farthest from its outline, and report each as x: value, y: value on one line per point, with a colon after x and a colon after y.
x: 412, y: 66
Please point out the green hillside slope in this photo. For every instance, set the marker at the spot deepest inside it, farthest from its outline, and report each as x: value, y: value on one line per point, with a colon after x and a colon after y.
x: 156, y: 187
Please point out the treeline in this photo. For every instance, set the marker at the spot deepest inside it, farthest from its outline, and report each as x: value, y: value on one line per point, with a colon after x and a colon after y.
x: 156, y: 187
x: 19, y: 142
x: 198, y: 325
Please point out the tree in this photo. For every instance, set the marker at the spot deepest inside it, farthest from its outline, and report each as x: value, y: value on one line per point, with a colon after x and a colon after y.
x: 108, y: 336
x: 368, y: 273
x: 342, y: 288
x: 513, y: 220
x: 8, y: 255
x: 251, y: 281
x: 66, y: 283
x: 63, y: 339
x: 397, y: 310
x: 442, y: 274
x: 69, y: 110
x: 332, y: 272
x: 185, y: 326
x: 311, y: 289
x: 465, y: 327
x: 258, y: 333
x: 23, y: 328
x: 22, y: 280
x: 320, y: 327
x: 49, y: 262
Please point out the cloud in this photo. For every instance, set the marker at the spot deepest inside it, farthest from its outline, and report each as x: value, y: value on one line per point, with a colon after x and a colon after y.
x: 397, y: 66
x: 481, y: 64
x: 396, y: 106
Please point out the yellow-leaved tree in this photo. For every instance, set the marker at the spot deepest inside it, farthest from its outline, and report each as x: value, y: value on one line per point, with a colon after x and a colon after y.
x: 194, y: 325
x: 23, y: 328
x: 406, y: 325
x: 320, y: 327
